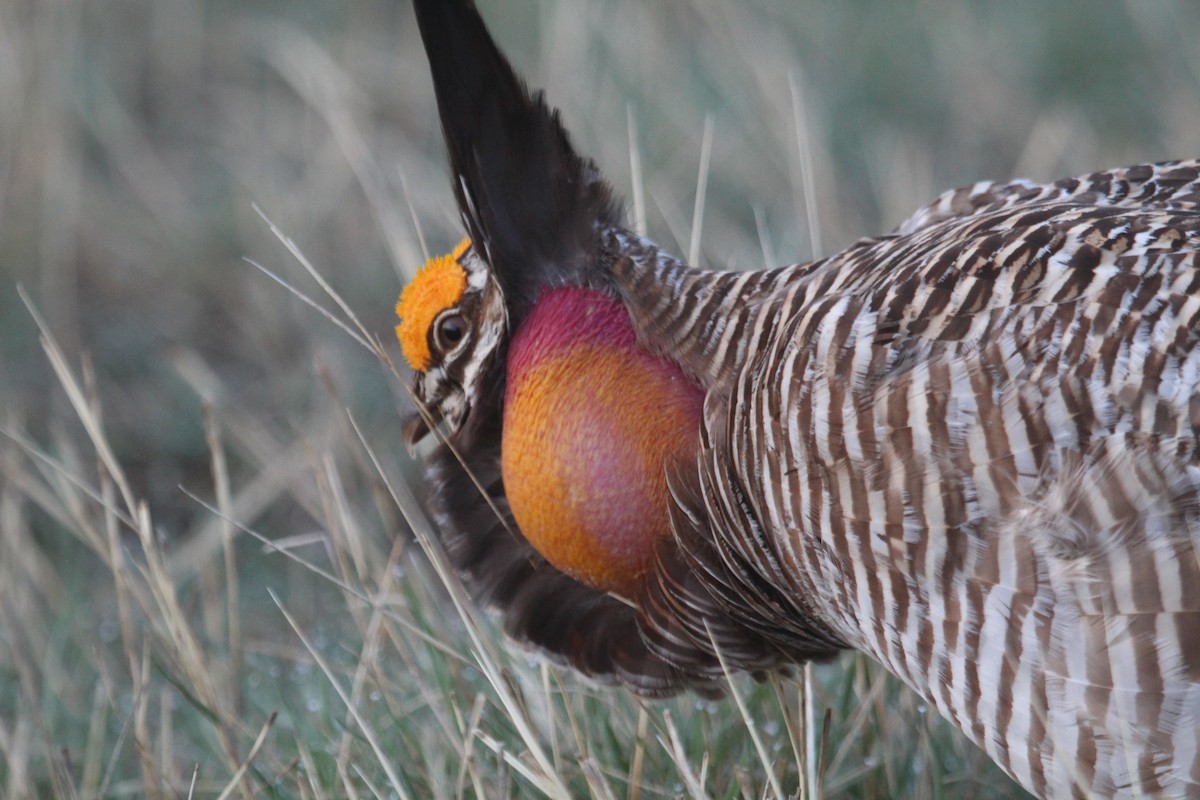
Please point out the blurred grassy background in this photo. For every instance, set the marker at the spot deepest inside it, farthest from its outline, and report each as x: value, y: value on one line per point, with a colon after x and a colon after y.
x: 135, y: 139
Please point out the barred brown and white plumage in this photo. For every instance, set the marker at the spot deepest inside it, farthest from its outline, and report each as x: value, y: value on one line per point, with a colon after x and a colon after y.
x: 978, y: 452
x: 968, y: 448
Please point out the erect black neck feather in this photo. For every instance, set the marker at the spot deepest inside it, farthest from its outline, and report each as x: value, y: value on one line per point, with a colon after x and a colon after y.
x: 530, y: 203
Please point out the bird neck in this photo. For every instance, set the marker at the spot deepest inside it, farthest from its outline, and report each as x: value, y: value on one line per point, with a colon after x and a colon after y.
x: 592, y: 422
x: 708, y: 322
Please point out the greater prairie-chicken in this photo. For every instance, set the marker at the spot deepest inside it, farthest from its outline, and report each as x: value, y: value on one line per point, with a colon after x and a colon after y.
x: 968, y: 448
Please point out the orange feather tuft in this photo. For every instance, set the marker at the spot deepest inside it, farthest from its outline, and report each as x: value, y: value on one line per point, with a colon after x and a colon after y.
x: 437, y: 286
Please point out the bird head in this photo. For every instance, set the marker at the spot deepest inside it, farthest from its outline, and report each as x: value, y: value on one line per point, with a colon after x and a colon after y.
x: 453, y: 325
x: 536, y: 216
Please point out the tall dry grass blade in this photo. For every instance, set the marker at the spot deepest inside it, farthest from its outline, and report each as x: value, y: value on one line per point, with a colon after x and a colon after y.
x: 235, y: 782
x: 89, y: 782
x: 352, y: 553
x: 636, y: 178
x: 166, y: 738
x: 812, y: 787
x: 826, y: 730
x: 670, y: 208
x: 308, y: 301
x: 333, y: 579
x: 79, y: 402
x: 764, y: 237
x: 867, y: 696
x: 66, y: 779
x: 315, y: 76
x: 141, y: 730
x: 279, y: 465
x: 706, y: 144
x: 32, y: 491
x: 126, y: 590
x: 804, y: 153
x: 597, y: 783
x: 466, y: 765
x: 674, y: 748
x: 535, y: 777
x: 312, y: 774
x: 638, y: 762
x: 370, y: 785
x: 578, y: 731
x: 794, y: 727
x: 189, y: 656
x: 33, y: 575
x: 14, y: 746
x: 416, y: 221
x: 548, y: 705
x: 233, y: 615
x: 126, y: 727
x: 549, y: 781
x: 65, y: 516
x: 1050, y: 139
x: 767, y: 765
x: 369, y: 655
x: 365, y: 337
x: 363, y: 723
x: 465, y: 728
x: 29, y: 690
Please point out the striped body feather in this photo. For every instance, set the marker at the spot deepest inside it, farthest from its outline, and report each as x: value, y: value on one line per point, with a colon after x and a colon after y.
x: 969, y: 449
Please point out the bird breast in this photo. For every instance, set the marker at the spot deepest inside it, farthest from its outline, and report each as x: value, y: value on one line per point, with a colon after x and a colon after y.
x: 592, y: 421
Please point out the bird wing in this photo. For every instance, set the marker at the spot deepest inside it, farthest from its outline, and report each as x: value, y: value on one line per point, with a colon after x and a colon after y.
x: 1170, y: 184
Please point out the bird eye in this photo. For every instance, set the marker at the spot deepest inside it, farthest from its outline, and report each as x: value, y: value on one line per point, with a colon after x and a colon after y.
x: 449, y: 331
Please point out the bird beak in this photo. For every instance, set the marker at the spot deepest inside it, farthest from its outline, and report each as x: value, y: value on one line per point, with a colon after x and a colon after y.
x: 416, y: 427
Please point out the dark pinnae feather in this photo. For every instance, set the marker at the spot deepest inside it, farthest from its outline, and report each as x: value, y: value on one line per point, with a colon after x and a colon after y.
x: 528, y: 200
